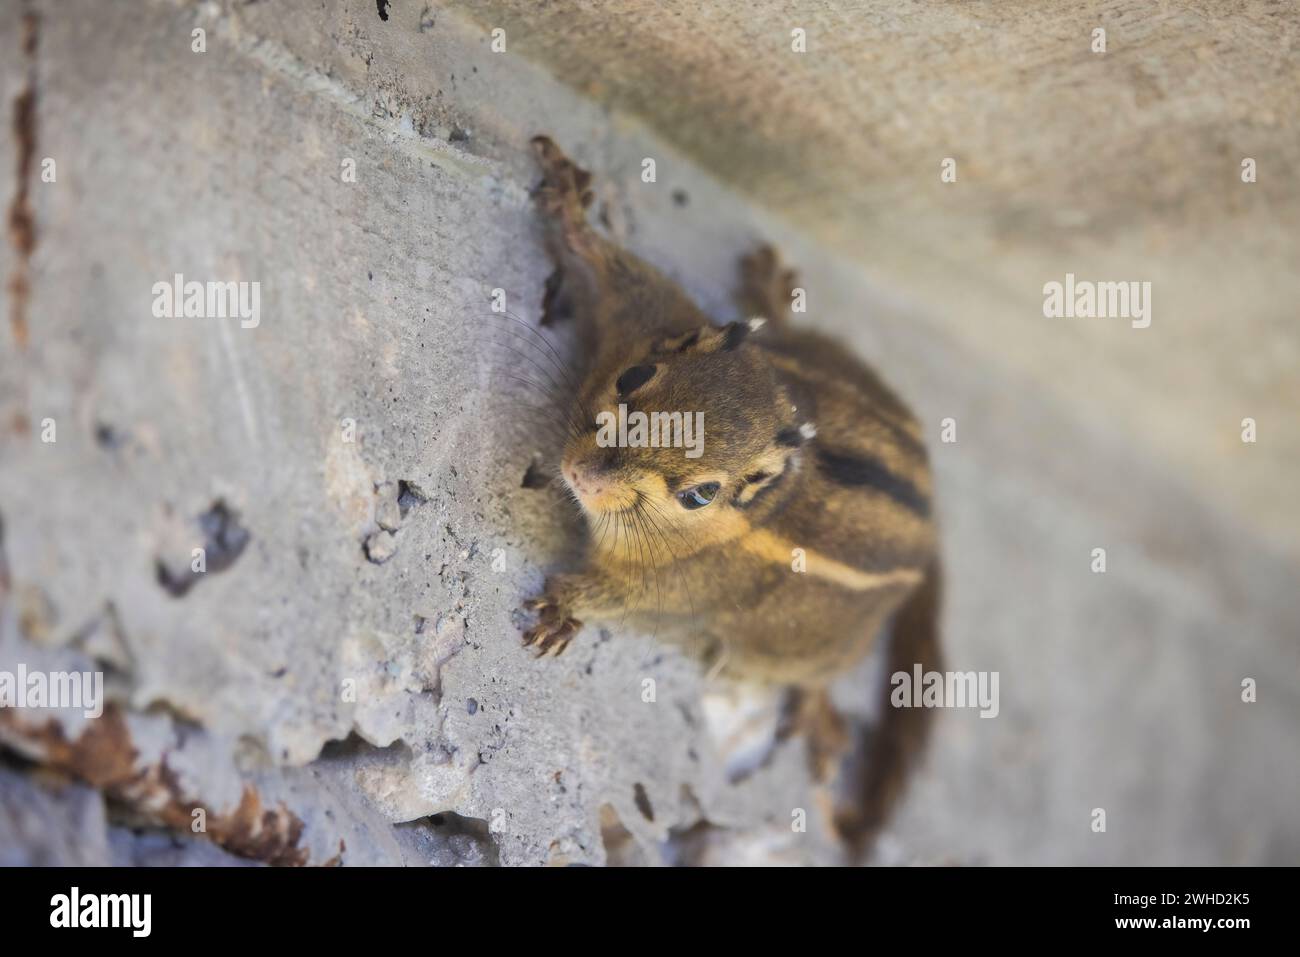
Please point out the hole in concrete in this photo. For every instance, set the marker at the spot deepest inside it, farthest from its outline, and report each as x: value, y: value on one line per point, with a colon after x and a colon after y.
x: 383, y: 9
x: 107, y: 437
x: 643, y: 801
x: 409, y: 496
x: 224, y: 541
x: 345, y: 749
x: 534, y: 477
x: 226, y: 537
x: 680, y: 197
x: 450, y: 839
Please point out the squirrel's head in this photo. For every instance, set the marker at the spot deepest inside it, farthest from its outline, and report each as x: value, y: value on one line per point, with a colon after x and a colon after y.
x: 682, y: 438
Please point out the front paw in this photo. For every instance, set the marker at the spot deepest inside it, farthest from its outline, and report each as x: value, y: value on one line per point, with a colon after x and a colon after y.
x: 566, y: 186
x: 555, y: 627
x: 766, y: 286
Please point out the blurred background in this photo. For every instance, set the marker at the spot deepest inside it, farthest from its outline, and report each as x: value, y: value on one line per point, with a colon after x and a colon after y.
x: 365, y: 162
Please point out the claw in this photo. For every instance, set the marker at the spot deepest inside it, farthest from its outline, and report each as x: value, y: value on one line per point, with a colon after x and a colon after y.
x: 559, y: 644
x: 557, y: 637
x: 552, y: 634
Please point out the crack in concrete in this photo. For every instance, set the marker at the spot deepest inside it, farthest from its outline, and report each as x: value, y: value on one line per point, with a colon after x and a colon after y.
x: 22, y: 220
x: 399, y: 130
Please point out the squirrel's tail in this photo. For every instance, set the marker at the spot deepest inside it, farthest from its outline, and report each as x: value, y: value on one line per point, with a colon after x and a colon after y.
x: 878, y: 773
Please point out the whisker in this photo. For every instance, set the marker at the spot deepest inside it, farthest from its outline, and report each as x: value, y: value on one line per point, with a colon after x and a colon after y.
x: 677, y: 559
x: 639, y: 518
x: 571, y: 426
x: 556, y: 385
x: 554, y: 357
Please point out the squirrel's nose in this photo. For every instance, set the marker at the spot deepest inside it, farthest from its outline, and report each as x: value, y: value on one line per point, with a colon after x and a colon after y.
x: 587, y: 478
x: 584, y: 480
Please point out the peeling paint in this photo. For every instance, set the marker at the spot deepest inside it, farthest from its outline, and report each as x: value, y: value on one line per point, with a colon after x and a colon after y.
x: 105, y: 757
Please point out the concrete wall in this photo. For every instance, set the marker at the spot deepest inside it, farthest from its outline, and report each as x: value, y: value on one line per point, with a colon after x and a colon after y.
x: 1119, y: 691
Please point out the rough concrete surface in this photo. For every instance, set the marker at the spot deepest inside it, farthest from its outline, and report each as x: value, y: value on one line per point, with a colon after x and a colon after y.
x: 345, y: 685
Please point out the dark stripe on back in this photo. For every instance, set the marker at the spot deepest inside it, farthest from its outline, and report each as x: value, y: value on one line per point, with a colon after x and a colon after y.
x: 860, y: 471
x: 900, y: 435
x: 882, y: 404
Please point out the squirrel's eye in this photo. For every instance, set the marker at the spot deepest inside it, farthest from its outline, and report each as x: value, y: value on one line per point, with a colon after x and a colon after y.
x: 698, y: 496
x: 633, y: 379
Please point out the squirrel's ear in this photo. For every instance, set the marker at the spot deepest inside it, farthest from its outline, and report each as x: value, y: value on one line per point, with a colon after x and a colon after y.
x: 794, y: 437
x: 713, y: 338
x: 683, y: 343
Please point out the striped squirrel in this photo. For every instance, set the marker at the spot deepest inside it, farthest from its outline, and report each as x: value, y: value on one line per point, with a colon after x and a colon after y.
x: 783, y: 545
